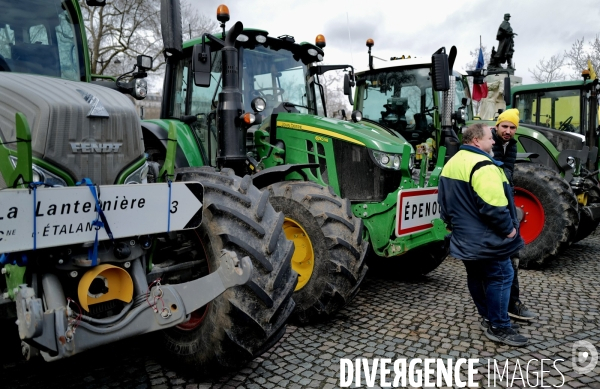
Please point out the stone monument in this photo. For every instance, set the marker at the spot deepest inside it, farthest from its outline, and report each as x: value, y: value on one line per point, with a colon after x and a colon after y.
x: 506, y: 48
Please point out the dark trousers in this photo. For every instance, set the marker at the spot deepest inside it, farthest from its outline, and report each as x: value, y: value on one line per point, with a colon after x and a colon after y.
x: 514, y: 288
x: 489, y: 283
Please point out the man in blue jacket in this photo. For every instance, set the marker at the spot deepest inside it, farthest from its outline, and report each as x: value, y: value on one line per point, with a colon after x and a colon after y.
x: 476, y: 203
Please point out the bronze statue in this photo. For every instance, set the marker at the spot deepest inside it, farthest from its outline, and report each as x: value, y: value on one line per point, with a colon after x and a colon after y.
x: 506, y: 46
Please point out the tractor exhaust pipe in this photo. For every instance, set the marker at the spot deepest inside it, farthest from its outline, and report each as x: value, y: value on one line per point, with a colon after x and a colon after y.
x: 232, y: 136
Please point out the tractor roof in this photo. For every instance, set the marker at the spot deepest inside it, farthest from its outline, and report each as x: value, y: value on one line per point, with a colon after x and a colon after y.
x: 285, y: 42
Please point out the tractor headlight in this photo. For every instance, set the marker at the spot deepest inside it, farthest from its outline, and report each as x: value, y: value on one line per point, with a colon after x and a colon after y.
x: 387, y: 160
x: 42, y: 175
x: 258, y: 104
x: 138, y: 176
x: 141, y: 89
x: 357, y: 116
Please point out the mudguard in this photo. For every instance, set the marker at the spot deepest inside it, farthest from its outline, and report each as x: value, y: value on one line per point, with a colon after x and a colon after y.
x: 275, y: 174
x: 160, y: 134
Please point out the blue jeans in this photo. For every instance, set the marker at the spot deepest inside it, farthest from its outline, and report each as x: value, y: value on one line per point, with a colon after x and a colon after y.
x: 489, y: 282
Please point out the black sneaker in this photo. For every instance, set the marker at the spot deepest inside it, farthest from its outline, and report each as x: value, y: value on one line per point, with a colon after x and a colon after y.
x: 521, y: 312
x: 484, y: 324
x: 507, y: 336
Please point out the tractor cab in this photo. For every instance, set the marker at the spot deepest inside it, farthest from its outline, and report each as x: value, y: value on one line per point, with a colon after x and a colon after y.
x: 559, y: 105
x: 276, y: 75
x: 401, y: 99
x: 42, y: 37
x: 399, y: 95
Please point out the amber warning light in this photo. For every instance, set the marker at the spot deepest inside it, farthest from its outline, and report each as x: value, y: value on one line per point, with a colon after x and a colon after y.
x: 223, y: 13
x: 320, y: 41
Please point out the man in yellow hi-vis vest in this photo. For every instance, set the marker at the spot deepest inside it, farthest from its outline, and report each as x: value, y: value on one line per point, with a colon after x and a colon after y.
x: 476, y: 203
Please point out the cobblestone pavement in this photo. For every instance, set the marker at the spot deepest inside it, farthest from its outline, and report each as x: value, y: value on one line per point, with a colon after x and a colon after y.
x: 432, y: 317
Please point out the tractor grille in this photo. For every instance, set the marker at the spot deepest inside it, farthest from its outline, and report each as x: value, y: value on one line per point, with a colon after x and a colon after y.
x: 359, y: 177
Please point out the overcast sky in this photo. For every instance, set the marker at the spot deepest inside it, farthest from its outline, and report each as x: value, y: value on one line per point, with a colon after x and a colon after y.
x: 418, y: 28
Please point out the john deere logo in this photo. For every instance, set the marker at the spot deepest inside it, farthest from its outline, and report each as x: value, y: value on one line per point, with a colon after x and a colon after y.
x: 321, y: 139
x: 95, y: 147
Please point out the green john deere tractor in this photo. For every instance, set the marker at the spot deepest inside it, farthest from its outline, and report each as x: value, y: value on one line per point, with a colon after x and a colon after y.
x: 93, y: 264
x: 255, y: 102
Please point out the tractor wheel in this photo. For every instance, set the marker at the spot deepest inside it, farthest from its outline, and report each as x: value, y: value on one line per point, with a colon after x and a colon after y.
x: 547, y: 210
x: 245, y: 320
x: 586, y: 224
x: 329, y: 250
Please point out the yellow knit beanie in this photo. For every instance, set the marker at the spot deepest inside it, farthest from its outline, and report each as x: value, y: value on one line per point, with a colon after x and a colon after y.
x: 510, y: 115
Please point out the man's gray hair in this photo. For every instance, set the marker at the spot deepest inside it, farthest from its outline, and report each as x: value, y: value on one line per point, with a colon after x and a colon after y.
x: 474, y: 131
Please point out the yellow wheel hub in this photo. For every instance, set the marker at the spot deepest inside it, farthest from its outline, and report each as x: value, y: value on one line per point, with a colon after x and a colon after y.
x: 303, y: 261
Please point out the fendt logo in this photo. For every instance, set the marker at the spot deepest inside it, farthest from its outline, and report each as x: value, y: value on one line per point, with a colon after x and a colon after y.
x: 95, y: 147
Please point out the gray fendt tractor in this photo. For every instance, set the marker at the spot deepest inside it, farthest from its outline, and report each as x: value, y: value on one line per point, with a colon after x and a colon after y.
x: 87, y: 260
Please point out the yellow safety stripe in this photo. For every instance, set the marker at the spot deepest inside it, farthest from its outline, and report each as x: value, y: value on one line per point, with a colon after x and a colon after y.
x: 332, y: 134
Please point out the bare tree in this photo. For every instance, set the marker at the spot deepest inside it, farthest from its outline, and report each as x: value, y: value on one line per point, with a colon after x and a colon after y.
x: 194, y: 23
x: 123, y: 29
x: 580, y: 53
x: 550, y: 70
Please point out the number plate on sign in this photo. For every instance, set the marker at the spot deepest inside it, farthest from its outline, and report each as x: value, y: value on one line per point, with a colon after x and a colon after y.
x: 416, y: 209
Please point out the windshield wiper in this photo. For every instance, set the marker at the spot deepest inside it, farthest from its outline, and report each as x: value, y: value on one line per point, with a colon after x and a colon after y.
x: 287, y: 105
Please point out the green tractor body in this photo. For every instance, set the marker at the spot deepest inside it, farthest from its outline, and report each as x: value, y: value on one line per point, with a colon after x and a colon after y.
x: 87, y: 260
x: 255, y: 103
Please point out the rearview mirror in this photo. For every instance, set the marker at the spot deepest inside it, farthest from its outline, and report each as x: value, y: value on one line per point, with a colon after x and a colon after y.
x: 348, y: 89
x: 201, y: 65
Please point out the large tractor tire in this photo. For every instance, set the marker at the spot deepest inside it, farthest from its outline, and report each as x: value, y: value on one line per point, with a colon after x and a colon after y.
x: 548, y: 211
x: 592, y: 196
x: 245, y: 320
x: 329, y: 254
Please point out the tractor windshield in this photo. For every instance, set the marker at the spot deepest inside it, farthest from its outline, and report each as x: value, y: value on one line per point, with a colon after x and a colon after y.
x: 41, y: 37
x: 401, y: 99
x: 275, y: 76
x: 558, y: 109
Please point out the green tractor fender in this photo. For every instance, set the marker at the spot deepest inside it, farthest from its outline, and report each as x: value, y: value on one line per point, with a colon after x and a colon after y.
x: 274, y: 174
x: 156, y: 137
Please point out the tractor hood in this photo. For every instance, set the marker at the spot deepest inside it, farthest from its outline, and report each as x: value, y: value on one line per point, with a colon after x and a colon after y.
x: 363, y: 133
x: 83, y: 129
